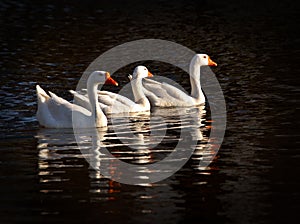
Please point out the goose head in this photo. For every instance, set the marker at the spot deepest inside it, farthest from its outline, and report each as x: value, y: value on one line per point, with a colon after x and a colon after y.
x: 98, y: 77
x: 141, y: 72
x: 203, y: 59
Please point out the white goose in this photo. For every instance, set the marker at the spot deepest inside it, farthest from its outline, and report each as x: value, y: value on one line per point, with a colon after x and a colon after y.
x: 166, y: 95
x: 112, y: 103
x: 56, y: 112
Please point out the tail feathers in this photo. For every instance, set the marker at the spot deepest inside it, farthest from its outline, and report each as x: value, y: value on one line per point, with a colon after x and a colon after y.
x: 78, y: 95
x: 56, y: 98
x: 41, y: 94
x: 72, y: 92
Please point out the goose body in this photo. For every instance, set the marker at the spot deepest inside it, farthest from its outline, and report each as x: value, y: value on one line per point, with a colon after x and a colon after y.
x: 166, y: 95
x: 56, y: 112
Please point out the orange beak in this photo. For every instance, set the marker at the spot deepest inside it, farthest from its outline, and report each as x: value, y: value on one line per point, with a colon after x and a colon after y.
x: 211, y: 62
x: 150, y: 74
x: 110, y: 80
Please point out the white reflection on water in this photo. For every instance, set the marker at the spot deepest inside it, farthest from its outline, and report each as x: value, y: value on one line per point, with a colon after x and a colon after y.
x: 58, y: 149
x: 173, y: 132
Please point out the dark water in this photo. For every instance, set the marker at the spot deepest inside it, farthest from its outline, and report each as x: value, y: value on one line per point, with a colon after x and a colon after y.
x: 253, y: 179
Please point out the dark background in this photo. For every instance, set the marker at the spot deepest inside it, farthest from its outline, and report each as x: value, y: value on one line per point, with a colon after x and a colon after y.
x: 255, y: 178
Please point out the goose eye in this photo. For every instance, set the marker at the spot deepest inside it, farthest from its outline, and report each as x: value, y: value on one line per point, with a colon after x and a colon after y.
x: 204, y: 56
x: 145, y: 69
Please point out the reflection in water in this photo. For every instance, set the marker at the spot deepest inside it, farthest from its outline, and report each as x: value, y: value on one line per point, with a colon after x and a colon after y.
x: 55, y: 148
x: 140, y: 142
x: 147, y: 141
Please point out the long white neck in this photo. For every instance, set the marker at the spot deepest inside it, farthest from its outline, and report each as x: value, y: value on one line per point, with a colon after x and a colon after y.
x: 97, y: 114
x: 138, y: 93
x: 196, y: 91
